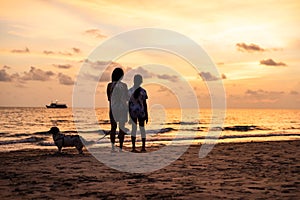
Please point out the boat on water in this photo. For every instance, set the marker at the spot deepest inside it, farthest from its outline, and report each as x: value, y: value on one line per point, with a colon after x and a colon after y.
x: 56, y: 105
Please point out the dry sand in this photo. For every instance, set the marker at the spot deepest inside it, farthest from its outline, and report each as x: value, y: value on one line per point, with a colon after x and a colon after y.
x: 265, y: 170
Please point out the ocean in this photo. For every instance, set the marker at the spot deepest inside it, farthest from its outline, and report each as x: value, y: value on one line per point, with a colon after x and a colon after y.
x: 23, y: 128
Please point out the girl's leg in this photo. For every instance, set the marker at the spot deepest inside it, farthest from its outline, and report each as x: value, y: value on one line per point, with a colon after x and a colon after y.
x: 133, y: 133
x: 113, y: 128
x: 113, y: 137
x: 121, y: 134
x: 143, y: 144
x: 143, y: 133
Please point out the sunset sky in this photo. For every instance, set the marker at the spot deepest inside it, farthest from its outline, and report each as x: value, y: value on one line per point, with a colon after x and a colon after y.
x: 254, y: 44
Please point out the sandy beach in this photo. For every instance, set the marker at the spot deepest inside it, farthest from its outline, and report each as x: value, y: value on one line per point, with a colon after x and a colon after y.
x: 265, y: 170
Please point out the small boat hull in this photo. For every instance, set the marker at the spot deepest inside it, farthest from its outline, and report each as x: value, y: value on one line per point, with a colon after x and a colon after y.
x: 56, y: 105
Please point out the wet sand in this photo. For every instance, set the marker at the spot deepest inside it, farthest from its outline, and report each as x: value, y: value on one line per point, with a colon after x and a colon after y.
x: 261, y: 170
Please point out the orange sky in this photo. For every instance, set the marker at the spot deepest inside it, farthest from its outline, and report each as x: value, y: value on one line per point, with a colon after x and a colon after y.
x: 255, y: 45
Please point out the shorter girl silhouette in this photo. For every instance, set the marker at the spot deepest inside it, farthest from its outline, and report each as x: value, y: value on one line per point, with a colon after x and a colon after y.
x: 138, y: 110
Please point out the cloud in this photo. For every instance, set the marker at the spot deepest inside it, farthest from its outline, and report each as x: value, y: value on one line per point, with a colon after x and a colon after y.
x: 99, y: 64
x: 270, y: 62
x: 4, y: 76
x: 64, y: 66
x: 207, y: 76
x: 128, y: 72
x: 148, y: 74
x: 65, y: 53
x: 37, y: 75
x: 94, y: 67
x: 95, y: 33
x: 294, y: 92
x: 263, y: 93
x: 140, y: 70
x: 251, y: 92
x: 65, y: 79
x: 249, y: 47
x: 163, y: 89
x: 76, y: 50
x: 263, y: 96
x: 26, y: 50
x: 33, y: 74
x: 110, y: 66
x: 90, y: 77
x: 277, y: 49
x: 48, y: 52
x: 71, y: 52
x: 171, y: 78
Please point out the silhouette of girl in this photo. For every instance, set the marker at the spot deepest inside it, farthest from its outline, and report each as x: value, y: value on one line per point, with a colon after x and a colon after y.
x: 117, y: 94
x: 138, y: 110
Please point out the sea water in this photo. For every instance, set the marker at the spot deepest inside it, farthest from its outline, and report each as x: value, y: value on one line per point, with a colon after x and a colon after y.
x: 22, y: 128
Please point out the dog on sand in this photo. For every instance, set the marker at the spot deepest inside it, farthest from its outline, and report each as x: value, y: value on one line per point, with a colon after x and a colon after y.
x: 62, y: 140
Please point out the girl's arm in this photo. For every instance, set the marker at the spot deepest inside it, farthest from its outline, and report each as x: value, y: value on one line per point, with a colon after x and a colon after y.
x: 108, y: 91
x: 146, y: 110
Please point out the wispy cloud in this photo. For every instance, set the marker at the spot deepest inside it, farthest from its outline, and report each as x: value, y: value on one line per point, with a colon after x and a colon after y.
x: 249, y: 47
x: 261, y: 92
x: 270, y: 62
x: 264, y: 95
x: 95, y: 33
x: 139, y: 70
x: 293, y: 92
x: 36, y: 74
x: 4, y: 76
x: 97, y: 66
x: 63, y: 66
x: 129, y: 72
x: 171, y: 78
x: 149, y: 74
x: 26, y: 50
x: 48, y: 52
x: 207, y: 76
x: 76, y: 50
x: 162, y: 89
x: 71, y: 52
x: 65, y: 79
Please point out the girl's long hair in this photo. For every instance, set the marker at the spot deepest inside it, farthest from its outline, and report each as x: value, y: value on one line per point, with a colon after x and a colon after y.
x: 117, y: 74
